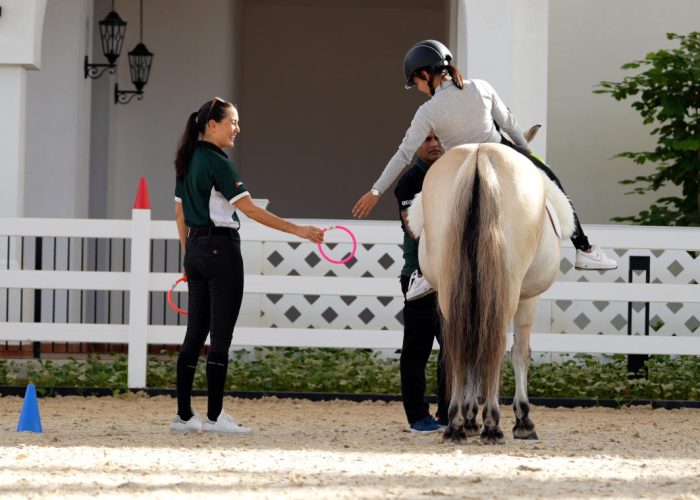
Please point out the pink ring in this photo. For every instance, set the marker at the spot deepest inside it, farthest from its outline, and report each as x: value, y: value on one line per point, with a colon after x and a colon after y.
x: 352, y: 253
x: 170, y: 296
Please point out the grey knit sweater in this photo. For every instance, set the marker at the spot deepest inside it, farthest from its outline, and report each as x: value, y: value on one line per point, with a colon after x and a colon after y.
x: 458, y: 117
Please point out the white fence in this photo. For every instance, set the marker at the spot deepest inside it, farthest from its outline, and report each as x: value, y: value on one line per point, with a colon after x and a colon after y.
x: 138, y: 282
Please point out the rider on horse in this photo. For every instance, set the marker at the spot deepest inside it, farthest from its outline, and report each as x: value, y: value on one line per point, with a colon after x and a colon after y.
x: 461, y: 112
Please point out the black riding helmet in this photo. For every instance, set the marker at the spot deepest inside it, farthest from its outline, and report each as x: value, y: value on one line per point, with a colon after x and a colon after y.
x: 430, y: 55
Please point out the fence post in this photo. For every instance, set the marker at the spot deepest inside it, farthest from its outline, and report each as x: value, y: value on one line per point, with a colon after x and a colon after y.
x: 38, y: 266
x: 635, y: 362
x: 138, y: 289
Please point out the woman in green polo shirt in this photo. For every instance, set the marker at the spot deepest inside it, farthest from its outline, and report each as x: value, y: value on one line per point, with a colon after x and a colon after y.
x: 208, y: 191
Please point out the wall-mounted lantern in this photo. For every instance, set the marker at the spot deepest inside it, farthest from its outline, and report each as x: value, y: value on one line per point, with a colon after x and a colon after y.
x: 112, y: 29
x: 140, y: 60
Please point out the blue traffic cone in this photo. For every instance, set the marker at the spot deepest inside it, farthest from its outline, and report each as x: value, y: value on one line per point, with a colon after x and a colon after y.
x: 29, y: 419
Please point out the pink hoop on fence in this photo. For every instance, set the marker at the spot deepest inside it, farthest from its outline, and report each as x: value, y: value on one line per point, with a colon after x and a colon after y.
x: 352, y: 253
x: 170, y: 296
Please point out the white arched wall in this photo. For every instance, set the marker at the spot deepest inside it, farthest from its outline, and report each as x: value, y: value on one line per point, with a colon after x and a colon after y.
x: 505, y: 42
x: 589, y: 41
x: 58, y: 116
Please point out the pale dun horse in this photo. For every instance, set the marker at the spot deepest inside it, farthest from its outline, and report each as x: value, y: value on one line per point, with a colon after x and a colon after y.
x: 489, y: 248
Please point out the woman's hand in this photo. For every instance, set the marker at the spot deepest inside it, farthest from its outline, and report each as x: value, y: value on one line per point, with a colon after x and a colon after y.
x: 364, y: 205
x: 311, y: 233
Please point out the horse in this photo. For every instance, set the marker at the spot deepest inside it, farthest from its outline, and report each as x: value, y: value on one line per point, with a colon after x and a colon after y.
x: 489, y: 246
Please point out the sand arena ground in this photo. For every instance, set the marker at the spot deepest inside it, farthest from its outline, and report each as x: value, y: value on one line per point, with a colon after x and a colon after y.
x: 121, y: 447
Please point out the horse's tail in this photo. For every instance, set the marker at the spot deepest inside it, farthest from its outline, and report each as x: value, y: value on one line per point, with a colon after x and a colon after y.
x: 476, y: 286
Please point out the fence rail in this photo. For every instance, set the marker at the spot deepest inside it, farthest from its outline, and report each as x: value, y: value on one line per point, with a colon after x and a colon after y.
x: 138, y: 279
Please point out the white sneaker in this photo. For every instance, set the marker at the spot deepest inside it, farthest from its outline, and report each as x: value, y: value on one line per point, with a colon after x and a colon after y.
x: 225, y: 423
x: 595, y: 259
x: 418, y: 287
x: 194, y: 424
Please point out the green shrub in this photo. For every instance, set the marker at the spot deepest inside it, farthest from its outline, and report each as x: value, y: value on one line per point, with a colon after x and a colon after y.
x: 365, y: 371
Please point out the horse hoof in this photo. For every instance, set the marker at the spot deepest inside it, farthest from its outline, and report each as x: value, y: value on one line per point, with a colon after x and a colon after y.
x: 525, y: 434
x: 492, y: 436
x: 472, y: 429
x: 524, y: 429
x: 454, y: 435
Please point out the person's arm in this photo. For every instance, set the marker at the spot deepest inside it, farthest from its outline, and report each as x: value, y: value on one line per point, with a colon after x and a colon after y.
x: 415, y: 135
x: 258, y: 214
x: 505, y: 119
x: 181, y: 226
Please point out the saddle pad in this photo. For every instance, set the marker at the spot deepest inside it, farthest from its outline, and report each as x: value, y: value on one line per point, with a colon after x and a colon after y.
x: 558, y: 204
x: 553, y: 217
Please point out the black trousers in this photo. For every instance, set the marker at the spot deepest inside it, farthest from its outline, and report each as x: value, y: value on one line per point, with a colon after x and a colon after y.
x: 421, y: 327
x: 579, y: 238
x: 214, y: 269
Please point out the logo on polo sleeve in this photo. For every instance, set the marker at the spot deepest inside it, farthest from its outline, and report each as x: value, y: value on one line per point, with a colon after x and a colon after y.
x: 238, y: 184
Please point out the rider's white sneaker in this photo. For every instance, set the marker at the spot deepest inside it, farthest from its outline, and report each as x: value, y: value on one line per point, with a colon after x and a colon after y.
x: 225, y: 423
x: 418, y: 287
x: 594, y: 260
x: 194, y: 424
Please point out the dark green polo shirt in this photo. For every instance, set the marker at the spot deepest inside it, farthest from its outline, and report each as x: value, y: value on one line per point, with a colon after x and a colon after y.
x: 210, y: 188
x: 410, y: 184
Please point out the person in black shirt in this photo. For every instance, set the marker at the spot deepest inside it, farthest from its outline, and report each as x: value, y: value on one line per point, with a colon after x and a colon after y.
x: 421, y: 320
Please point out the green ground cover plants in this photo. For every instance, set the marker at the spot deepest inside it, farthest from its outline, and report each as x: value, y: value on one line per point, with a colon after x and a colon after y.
x: 366, y: 371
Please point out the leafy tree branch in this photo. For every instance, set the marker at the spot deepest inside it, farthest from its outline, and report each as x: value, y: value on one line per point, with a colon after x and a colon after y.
x: 667, y: 96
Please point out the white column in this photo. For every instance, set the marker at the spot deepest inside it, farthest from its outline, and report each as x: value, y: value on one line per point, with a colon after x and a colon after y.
x: 58, y: 115
x: 505, y: 42
x: 13, y: 87
x: 458, y: 34
x: 21, y: 28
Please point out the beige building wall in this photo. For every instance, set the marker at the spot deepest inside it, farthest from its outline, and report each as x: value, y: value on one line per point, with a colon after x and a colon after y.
x: 318, y: 83
x: 323, y: 106
x: 194, y: 47
x: 311, y: 121
x: 588, y: 42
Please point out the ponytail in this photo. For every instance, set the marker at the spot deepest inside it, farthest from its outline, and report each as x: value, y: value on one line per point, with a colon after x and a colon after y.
x: 215, y: 109
x: 186, y: 145
x: 452, y: 71
x: 456, y: 76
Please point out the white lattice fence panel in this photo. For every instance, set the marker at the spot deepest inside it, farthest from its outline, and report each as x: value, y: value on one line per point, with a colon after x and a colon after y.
x: 610, y: 318
x: 674, y: 319
x: 339, y: 312
x: 292, y: 259
x: 333, y: 311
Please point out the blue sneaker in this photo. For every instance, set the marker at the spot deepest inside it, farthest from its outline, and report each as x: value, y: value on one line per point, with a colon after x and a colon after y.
x: 425, y: 425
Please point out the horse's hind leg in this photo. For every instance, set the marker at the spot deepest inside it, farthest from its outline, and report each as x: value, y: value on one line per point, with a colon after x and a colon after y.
x: 464, y: 406
x: 491, y: 415
x: 471, y: 393
x: 524, y: 428
x: 455, y: 431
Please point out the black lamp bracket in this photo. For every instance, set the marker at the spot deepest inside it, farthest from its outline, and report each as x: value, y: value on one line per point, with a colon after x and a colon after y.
x: 125, y: 96
x: 95, y: 71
